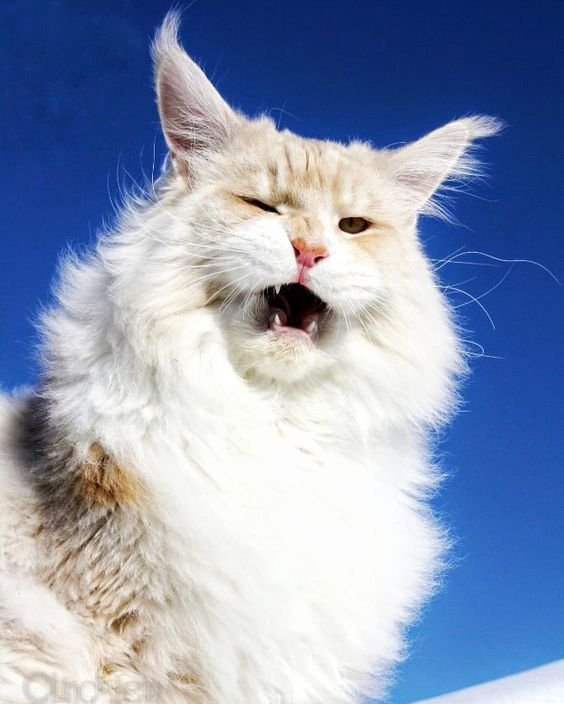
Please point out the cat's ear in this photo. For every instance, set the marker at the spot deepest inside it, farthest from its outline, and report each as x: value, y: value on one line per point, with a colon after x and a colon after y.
x: 441, y: 160
x: 194, y: 117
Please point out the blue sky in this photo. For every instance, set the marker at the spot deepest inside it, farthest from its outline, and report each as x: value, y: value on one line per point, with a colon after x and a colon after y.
x: 78, y: 116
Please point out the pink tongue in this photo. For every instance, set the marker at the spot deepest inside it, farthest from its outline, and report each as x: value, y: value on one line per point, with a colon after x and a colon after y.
x: 279, y: 319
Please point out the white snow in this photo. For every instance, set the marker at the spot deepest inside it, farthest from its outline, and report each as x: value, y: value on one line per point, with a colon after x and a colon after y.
x: 543, y: 685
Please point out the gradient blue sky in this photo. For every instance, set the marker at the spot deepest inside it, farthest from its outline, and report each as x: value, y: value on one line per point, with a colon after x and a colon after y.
x: 78, y: 112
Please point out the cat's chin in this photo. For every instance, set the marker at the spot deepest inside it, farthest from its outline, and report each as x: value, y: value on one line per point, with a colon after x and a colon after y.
x: 263, y: 347
x: 286, y: 355
x: 281, y: 333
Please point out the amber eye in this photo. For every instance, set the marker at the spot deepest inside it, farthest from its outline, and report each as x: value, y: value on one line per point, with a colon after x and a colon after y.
x: 259, y: 204
x: 353, y: 226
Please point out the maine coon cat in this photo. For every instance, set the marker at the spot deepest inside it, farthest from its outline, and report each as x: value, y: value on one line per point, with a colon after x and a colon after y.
x: 217, y: 492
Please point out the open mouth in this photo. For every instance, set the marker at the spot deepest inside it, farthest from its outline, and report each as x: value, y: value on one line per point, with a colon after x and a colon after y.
x: 295, y: 307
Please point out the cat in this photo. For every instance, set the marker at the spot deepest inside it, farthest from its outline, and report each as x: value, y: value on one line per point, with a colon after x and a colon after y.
x: 218, y: 491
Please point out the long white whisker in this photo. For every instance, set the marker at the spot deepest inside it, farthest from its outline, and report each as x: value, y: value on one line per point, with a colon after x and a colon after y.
x: 473, y: 299
x: 505, y: 261
x: 227, y: 285
x: 493, y: 288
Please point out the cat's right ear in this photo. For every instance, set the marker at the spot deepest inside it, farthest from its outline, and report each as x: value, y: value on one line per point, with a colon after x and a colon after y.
x: 439, y: 162
x: 194, y: 117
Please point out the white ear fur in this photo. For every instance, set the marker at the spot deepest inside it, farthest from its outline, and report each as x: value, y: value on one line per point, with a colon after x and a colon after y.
x: 194, y: 117
x: 442, y: 158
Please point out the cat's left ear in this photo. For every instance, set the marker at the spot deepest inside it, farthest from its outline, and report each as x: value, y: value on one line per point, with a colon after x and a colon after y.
x: 442, y: 159
x: 195, y: 119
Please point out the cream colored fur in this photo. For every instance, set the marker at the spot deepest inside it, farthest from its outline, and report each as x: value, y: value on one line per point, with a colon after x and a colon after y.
x: 193, y: 509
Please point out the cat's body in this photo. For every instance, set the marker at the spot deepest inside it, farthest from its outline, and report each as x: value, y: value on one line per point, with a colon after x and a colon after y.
x: 217, y: 494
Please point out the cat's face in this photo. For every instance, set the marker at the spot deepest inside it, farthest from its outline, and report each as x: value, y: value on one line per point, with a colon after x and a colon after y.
x: 299, y: 242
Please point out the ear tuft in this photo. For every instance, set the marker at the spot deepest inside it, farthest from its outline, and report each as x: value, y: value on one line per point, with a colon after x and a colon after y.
x: 194, y: 117
x: 443, y: 160
x: 166, y: 38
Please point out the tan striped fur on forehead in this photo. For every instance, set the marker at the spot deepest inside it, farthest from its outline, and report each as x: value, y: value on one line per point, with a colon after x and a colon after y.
x: 306, y: 174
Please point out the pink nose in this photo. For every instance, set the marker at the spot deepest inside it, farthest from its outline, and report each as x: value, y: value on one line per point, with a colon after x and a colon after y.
x: 308, y: 254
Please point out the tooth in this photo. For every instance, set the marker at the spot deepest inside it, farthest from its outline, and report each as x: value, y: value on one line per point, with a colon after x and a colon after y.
x: 311, y: 327
x: 277, y: 289
x: 277, y: 319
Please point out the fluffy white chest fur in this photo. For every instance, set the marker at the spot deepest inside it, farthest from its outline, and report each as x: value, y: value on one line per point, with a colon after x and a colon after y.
x: 288, y: 526
x: 216, y: 495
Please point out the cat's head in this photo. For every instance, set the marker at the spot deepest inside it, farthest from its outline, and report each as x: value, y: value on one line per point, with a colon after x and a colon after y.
x: 298, y: 243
